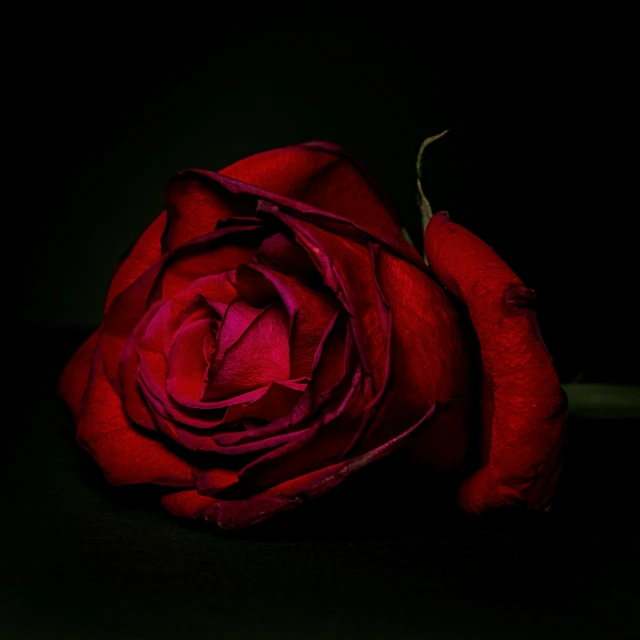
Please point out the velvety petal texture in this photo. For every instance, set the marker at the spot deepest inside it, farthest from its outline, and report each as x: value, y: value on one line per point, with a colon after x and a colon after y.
x: 524, y: 408
x: 273, y: 332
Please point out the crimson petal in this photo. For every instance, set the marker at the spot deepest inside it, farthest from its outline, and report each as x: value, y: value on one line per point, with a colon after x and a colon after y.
x: 524, y: 406
x: 125, y: 455
x: 309, y: 311
x: 260, y: 356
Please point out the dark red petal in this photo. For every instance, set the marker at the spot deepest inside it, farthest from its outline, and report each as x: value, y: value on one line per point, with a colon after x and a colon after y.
x: 309, y: 311
x: 286, y: 256
x: 133, y: 400
x: 330, y: 367
x: 131, y: 304
x: 153, y: 364
x: 187, y: 361
x: 198, y: 442
x: 144, y: 254
x: 259, y: 357
x: 126, y: 310
x: 318, y: 444
x: 321, y: 175
x: 236, y: 514
x: 430, y: 366
x: 186, y: 504
x: 347, y: 268
x: 278, y: 402
x: 236, y: 320
x: 184, y: 269
x: 75, y: 377
x: 360, y: 224
x: 192, y: 211
x: 217, y: 288
x: 529, y: 406
x: 212, y: 481
x: 125, y: 455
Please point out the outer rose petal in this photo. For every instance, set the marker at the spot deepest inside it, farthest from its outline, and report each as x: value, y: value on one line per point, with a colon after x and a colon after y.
x: 528, y: 417
x: 430, y: 365
x: 186, y: 504
x: 75, y: 376
x: 320, y: 174
x: 126, y: 456
x: 144, y: 253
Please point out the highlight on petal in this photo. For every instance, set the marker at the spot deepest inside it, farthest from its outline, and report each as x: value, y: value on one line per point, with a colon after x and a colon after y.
x: 523, y: 404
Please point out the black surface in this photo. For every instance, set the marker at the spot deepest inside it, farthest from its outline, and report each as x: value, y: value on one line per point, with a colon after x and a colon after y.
x: 536, y: 161
x: 108, y: 108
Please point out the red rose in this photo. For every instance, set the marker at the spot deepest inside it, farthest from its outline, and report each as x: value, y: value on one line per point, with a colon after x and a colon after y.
x: 273, y: 331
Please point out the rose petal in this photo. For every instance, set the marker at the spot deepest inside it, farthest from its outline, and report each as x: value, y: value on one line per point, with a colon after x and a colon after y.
x: 126, y: 310
x: 187, y: 361
x: 193, y: 211
x: 74, y: 378
x: 237, y: 319
x: 236, y: 514
x: 212, y: 481
x: 218, y: 288
x: 133, y: 400
x: 330, y: 367
x: 186, y: 504
x: 259, y: 357
x: 430, y: 365
x: 143, y: 254
x: 360, y: 224
x: 529, y: 406
x: 131, y: 304
x: 320, y: 174
x: 309, y: 311
x: 278, y: 401
x: 187, y: 267
x: 346, y: 267
x: 318, y: 444
x: 285, y: 255
x: 125, y: 455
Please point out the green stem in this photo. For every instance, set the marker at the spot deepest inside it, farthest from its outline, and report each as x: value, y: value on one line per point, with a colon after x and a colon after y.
x: 603, y: 400
x: 425, y: 208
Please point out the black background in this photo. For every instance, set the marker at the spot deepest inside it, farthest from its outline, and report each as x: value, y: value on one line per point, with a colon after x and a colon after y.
x: 106, y: 106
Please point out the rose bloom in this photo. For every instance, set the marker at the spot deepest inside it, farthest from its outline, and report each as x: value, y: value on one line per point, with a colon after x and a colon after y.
x: 272, y: 332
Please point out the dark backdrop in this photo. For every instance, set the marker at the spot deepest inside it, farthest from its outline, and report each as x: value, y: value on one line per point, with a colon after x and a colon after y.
x: 109, y: 105
x: 113, y: 105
